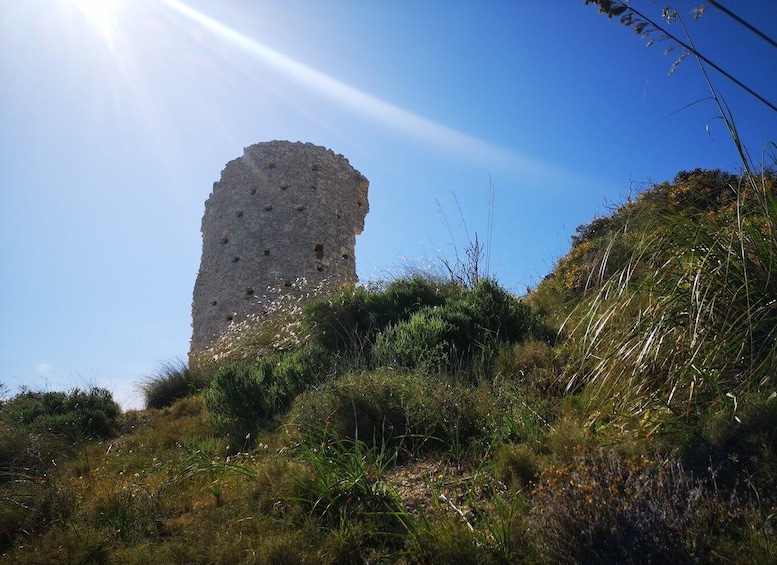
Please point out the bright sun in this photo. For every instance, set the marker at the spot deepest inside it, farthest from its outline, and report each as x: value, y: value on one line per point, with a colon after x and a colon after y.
x: 99, y: 13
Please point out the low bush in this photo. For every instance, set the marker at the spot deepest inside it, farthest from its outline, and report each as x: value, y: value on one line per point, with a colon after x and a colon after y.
x: 516, y: 465
x: 425, y: 342
x: 348, y: 321
x: 242, y: 395
x: 465, y: 333
x: 75, y: 415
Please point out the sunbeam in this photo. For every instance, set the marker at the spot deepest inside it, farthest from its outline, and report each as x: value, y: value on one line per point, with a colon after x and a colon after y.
x: 377, y: 110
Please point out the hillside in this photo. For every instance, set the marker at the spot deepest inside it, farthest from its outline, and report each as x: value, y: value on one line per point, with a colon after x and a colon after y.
x: 624, y: 411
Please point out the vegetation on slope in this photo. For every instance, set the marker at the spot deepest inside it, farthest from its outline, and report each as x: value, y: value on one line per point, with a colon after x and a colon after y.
x: 623, y: 411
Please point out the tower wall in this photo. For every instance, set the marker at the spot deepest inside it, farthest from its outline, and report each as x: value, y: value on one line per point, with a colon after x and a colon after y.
x: 280, y: 213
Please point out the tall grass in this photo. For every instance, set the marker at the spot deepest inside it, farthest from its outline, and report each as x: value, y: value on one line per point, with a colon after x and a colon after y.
x: 692, y: 317
x: 170, y: 383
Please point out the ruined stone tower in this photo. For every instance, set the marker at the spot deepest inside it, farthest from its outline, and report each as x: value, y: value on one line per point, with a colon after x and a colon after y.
x: 282, y: 212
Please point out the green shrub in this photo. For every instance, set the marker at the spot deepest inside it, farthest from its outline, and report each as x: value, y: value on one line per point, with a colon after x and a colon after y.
x: 243, y: 395
x: 423, y: 342
x: 76, y: 414
x: 238, y: 398
x: 463, y: 333
x: 348, y: 321
x: 516, y: 465
x: 300, y: 369
x: 496, y: 312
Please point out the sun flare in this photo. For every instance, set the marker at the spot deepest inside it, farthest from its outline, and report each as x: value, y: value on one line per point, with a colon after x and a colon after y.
x: 100, y: 13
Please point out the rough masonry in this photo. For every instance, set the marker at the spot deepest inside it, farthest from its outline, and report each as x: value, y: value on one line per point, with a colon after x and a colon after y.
x: 280, y: 213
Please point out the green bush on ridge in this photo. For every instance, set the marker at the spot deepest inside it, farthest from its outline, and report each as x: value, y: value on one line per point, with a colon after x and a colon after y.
x: 463, y: 333
x: 347, y: 322
x: 78, y: 414
x: 243, y: 395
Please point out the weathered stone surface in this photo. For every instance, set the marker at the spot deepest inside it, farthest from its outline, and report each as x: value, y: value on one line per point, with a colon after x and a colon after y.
x: 282, y: 212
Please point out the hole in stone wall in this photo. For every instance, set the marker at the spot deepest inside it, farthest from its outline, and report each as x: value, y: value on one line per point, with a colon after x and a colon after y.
x: 253, y: 190
x: 314, y: 167
x: 224, y: 240
x: 319, y: 251
x: 345, y: 256
x: 339, y: 213
x: 214, y: 302
x: 249, y: 290
x: 239, y: 213
x: 267, y: 251
x: 270, y: 165
x: 284, y: 185
x: 230, y: 317
x: 236, y: 258
x: 312, y: 185
x: 320, y: 269
x: 268, y: 207
x: 299, y: 207
x: 287, y: 284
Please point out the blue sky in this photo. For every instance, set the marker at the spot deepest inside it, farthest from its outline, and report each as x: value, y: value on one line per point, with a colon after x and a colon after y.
x: 116, y: 117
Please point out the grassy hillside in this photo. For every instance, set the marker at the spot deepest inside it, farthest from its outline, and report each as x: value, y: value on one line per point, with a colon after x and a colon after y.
x: 624, y: 411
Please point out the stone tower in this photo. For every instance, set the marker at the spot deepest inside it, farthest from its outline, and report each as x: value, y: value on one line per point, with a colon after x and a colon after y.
x: 282, y: 212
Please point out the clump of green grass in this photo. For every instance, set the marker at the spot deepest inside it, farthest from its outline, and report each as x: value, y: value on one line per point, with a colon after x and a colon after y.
x: 516, y: 465
x: 414, y: 411
x: 170, y: 383
x: 691, y: 317
x: 346, y: 492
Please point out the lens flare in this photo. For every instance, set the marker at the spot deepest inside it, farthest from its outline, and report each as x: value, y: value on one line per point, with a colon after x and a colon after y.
x: 100, y: 14
x: 369, y: 106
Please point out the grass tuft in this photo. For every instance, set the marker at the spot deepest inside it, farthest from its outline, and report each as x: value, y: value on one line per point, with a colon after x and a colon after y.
x: 173, y: 381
